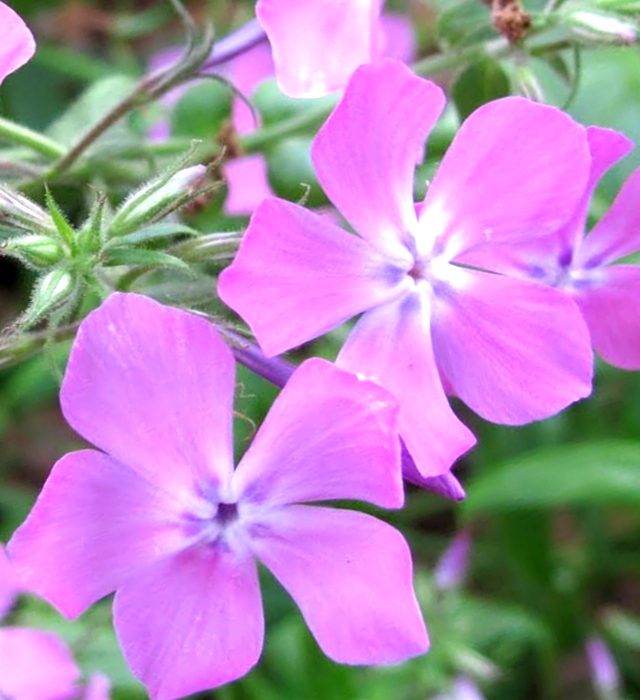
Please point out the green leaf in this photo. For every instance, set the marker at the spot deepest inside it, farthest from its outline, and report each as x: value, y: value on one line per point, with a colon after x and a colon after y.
x: 146, y: 258
x: 603, y: 472
x: 465, y: 23
x: 481, y: 82
x: 154, y: 232
x: 90, y: 108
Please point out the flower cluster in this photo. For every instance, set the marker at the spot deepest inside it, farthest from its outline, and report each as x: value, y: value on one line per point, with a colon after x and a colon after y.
x: 487, y: 290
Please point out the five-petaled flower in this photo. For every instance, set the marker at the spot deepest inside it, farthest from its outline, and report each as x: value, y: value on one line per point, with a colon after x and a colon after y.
x: 512, y: 350
x: 607, y: 294
x: 161, y: 517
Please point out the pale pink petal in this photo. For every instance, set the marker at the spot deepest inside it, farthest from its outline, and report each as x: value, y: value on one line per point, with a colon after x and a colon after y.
x: 191, y: 622
x: 328, y: 435
x: 247, y: 183
x: 317, y: 44
x: 617, y: 234
x: 9, y: 587
x: 17, y: 44
x: 35, y: 665
x: 95, y: 524
x: 351, y: 576
x: 365, y: 154
x: 392, y: 344
x: 297, y: 276
x: 516, y: 170
x: 514, y: 351
x: 400, y: 38
x: 98, y: 688
x: 611, y: 308
x: 153, y: 386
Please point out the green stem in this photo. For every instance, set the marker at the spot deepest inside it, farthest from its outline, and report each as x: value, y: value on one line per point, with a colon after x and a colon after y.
x: 18, y: 134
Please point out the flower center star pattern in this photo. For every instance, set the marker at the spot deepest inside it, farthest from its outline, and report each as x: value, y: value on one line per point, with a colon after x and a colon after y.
x: 160, y: 516
x: 512, y: 350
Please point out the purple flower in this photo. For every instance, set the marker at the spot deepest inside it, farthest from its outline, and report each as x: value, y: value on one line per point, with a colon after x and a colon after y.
x: 161, y: 517
x: 17, y: 44
x: 512, y: 350
x: 586, y: 266
x: 463, y: 688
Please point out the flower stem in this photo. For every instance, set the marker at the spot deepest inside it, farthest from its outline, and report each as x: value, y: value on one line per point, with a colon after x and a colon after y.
x: 23, y: 136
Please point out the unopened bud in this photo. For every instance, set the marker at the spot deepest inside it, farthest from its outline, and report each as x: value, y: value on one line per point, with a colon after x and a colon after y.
x: 159, y: 197
x: 451, y: 570
x: 604, y: 671
x: 34, y: 250
x: 52, y: 292
x: 21, y: 213
x: 602, y: 28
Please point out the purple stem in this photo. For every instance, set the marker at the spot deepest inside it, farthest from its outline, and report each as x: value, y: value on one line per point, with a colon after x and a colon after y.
x: 246, y: 37
x: 277, y: 371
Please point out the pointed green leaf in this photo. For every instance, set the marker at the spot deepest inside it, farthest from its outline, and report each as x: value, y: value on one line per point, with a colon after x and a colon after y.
x: 63, y: 227
x: 603, y: 472
x: 154, y: 232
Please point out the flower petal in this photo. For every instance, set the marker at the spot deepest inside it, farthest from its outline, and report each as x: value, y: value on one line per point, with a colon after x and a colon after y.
x: 17, y: 44
x: 365, y: 154
x: 191, y: 622
x: 9, y: 587
x: 297, y: 276
x: 317, y: 44
x: 611, y: 308
x: 35, y: 665
x: 516, y: 169
x: 328, y: 435
x: 445, y: 485
x: 392, y: 344
x: 400, y: 37
x: 350, y: 574
x: 95, y: 524
x: 617, y: 234
x: 514, y: 351
x: 247, y: 184
x: 545, y: 258
x: 153, y: 386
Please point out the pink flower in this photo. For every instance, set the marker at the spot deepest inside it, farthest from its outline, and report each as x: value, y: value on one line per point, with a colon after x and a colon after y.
x: 317, y: 44
x: 17, y: 44
x: 24, y: 650
x: 512, y: 350
x: 586, y: 266
x: 161, y: 517
x: 604, y: 671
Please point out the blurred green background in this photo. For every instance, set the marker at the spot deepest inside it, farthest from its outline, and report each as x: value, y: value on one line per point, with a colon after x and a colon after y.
x: 553, y: 509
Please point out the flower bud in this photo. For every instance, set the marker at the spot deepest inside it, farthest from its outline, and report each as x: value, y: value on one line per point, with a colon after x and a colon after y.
x: 21, y: 213
x: 52, y: 292
x: 34, y: 250
x: 158, y: 198
x: 604, y: 671
x: 451, y: 570
x: 602, y: 28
